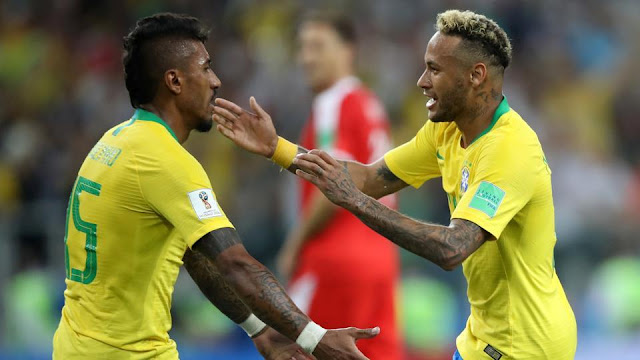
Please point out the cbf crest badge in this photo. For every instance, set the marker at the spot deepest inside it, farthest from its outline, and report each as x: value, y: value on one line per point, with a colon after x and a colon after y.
x: 464, y: 180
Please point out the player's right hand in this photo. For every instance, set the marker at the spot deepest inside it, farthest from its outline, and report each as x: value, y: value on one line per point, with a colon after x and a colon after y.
x: 340, y: 344
x: 253, y: 132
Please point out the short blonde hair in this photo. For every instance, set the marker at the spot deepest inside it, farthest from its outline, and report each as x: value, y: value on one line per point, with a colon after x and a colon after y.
x: 483, y: 36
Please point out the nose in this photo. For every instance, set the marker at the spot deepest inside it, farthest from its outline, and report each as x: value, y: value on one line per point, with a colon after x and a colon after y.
x: 215, y: 81
x: 424, y: 81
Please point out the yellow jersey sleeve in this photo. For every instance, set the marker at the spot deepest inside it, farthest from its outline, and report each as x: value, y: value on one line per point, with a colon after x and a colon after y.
x: 504, y: 182
x: 176, y: 186
x: 415, y: 161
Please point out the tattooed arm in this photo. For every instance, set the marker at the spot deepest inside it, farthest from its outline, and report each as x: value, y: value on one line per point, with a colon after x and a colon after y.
x: 209, y: 280
x: 258, y: 289
x: 446, y: 246
x: 251, y: 281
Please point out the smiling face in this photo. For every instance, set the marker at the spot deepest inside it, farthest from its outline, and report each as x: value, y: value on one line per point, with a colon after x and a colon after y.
x: 445, y: 79
x: 199, y: 89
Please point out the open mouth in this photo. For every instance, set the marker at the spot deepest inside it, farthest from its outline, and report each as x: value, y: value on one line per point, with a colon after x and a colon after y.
x: 431, y: 103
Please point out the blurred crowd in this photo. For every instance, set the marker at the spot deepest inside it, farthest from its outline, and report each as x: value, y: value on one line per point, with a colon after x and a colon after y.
x: 573, y: 78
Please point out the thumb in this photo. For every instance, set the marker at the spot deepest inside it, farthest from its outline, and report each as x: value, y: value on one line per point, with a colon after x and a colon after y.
x: 257, y: 108
x: 366, y: 333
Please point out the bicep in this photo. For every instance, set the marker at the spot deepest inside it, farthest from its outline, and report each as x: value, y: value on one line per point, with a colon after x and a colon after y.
x: 221, y: 246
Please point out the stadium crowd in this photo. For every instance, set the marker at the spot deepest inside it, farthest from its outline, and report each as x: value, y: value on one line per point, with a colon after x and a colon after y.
x: 572, y: 77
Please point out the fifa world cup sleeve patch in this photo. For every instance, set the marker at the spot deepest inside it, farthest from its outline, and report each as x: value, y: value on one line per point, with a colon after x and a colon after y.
x: 487, y: 198
x: 204, y: 204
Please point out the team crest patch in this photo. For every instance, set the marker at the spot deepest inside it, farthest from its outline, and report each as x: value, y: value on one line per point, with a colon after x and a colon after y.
x: 204, y: 204
x: 464, y: 180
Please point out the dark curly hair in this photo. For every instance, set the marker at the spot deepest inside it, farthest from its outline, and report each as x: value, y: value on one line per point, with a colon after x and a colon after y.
x: 482, y: 35
x: 156, y: 44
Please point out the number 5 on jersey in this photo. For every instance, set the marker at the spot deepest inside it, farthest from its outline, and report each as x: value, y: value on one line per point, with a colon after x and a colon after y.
x: 89, y: 229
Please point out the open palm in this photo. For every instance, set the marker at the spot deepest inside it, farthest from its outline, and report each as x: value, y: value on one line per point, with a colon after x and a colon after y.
x: 253, y: 132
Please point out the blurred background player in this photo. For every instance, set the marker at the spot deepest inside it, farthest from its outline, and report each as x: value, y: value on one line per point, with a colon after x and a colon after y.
x: 341, y: 271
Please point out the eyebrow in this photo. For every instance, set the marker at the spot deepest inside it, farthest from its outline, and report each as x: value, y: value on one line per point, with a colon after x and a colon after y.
x: 431, y: 63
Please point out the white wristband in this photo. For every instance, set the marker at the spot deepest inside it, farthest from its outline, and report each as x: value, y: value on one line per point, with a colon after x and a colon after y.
x: 252, y: 326
x: 310, y: 337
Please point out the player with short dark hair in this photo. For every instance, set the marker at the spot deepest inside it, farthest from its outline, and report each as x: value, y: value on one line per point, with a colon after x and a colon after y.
x: 496, y: 178
x: 142, y: 206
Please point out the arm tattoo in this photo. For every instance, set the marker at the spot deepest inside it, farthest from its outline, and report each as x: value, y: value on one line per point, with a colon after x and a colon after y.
x: 253, y: 283
x: 386, y: 174
x: 442, y: 245
x: 266, y: 297
x: 205, y: 274
x: 220, y: 240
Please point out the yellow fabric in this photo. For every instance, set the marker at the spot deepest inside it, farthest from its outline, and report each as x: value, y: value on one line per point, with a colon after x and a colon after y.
x: 144, y: 220
x: 502, y: 183
x: 285, y: 153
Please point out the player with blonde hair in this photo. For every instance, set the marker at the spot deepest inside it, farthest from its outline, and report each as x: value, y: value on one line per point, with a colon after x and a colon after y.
x: 496, y: 178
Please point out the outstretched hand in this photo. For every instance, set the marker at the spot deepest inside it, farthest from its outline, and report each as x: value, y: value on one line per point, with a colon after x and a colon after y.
x: 340, y: 344
x: 252, y: 131
x: 328, y: 175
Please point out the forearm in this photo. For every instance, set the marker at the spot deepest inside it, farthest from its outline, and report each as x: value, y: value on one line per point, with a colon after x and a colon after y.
x: 253, y: 283
x: 262, y: 293
x: 212, y: 284
x: 445, y: 246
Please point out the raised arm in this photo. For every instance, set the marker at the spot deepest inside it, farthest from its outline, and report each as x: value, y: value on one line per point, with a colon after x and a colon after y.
x: 258, y: 289
x: 254, y: 132
x: 446, y: 246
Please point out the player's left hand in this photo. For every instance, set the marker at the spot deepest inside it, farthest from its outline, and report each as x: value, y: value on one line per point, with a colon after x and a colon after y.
x: 274, y: 346
x: 329, y: 175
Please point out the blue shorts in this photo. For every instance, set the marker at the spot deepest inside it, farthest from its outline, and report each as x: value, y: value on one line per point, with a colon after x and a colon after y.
x: 456, y: 356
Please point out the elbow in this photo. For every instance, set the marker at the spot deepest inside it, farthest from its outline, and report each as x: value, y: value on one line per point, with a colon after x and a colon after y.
x: 450, y: 263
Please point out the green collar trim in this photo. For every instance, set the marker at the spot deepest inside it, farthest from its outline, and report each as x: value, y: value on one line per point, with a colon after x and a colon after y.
x: 145, y: 115
x: 502, y: 109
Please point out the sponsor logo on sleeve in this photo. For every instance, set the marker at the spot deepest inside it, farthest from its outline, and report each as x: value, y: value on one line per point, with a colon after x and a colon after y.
x: 487, y: 198
x: 204, y: 204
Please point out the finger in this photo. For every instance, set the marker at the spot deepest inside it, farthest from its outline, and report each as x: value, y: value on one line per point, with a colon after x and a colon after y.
x: 309, y: 166
x: 226, y: 132
x: 365, y: 333
x: 312, y: 158
x: 231, y: 106
x: 257, y: 108
x: 310, y: 178
x: 228, y: 115
x: 223, y: 122
x: 329, y: 159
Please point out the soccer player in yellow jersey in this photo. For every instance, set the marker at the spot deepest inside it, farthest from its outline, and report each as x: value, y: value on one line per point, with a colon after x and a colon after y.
x: 142, y: 206
x: 496, y: 178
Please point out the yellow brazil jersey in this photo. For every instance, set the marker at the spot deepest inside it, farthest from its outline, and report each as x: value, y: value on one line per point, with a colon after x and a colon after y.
x: 502, y: 183
x: 140, y: 199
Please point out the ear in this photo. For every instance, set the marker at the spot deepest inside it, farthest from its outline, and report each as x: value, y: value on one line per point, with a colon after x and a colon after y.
x: 478, y: 74
x: 173, y: 81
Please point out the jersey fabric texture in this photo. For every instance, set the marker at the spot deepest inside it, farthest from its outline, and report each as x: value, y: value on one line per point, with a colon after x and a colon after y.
x: 347, y: 273
x: 502, y: 183
x: 140, y: 199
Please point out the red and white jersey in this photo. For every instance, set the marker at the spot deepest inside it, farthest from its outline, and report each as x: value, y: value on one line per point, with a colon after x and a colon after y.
x: 348, y: 122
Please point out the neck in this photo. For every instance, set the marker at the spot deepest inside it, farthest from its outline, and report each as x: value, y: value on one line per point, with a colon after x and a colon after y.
x: 339, y: 75
x: 479, y: 116
x: 171, y: 116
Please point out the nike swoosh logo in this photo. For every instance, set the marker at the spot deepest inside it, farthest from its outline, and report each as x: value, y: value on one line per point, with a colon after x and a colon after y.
x: 438, y: 155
